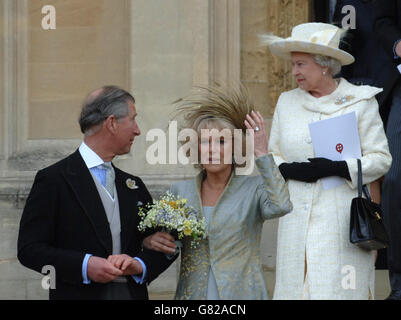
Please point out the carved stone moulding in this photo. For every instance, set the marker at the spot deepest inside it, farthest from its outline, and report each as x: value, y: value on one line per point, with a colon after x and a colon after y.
x: 283, y: 15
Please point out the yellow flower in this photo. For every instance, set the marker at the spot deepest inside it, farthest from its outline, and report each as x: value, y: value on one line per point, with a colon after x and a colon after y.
x: 183, y: 201
x: 187, y: 228
x: 173, y: 204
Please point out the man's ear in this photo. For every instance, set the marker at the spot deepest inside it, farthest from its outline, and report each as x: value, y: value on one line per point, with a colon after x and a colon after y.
x: 111, y: 124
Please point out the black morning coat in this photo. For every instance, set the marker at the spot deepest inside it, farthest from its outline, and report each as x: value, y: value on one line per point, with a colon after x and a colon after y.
x: 64, y: 219
x: 387, y: 29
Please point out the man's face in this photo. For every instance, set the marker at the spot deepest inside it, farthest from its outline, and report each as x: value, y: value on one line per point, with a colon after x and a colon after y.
x: 127, y: 130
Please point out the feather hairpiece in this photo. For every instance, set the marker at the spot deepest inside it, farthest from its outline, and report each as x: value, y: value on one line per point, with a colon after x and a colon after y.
x: 228, y: 103
x: 268, y: 38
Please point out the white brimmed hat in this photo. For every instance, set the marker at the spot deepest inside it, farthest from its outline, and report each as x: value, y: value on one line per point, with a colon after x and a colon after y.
x: 315, y: 38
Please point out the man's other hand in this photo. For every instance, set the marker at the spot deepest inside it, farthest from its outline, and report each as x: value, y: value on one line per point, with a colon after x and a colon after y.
x: 101, y: 270
x: 126, y: 264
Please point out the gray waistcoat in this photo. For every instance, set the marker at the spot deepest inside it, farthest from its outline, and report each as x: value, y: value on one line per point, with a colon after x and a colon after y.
x: 113, y: 214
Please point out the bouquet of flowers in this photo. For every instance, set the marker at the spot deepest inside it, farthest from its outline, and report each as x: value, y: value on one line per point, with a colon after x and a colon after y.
x: 173, y: 216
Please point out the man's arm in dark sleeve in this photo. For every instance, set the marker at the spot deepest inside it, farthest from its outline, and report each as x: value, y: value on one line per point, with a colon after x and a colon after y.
x: 37, y: 233
x: 386, y: 26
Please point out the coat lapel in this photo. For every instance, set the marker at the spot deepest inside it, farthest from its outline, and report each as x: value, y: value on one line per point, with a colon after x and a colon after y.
x: 82, y: 184
x: 127, y: 200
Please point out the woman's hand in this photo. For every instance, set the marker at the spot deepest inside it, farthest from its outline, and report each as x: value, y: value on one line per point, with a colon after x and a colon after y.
x: 327, y: 168
x: 160, y: 241
x: 316, y: 169
x: 257, y: 123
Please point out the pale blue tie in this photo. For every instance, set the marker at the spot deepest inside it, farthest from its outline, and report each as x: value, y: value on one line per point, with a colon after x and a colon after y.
x: 110, y: 176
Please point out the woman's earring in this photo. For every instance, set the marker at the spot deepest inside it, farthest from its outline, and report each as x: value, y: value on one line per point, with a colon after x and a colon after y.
x: 324, y: 73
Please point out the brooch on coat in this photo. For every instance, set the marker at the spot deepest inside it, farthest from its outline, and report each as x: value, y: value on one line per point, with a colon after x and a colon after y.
x: 131, y: 184
x: 344, y: 99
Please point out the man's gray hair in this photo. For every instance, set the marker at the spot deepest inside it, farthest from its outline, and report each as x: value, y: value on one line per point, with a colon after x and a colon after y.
x: 108, y: 100
x: 332, y: 63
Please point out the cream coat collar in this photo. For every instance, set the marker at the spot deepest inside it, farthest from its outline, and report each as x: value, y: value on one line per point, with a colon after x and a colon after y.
x: 345, y: 95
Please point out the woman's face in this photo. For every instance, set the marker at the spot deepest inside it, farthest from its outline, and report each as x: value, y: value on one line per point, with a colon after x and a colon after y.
x: 306, y: 71
x: 216, y: 149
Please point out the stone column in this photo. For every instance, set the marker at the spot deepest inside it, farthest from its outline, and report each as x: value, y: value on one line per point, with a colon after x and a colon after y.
x: 225, y: 28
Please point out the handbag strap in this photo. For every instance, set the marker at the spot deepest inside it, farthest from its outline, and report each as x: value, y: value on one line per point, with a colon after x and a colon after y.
x: 362, y: 187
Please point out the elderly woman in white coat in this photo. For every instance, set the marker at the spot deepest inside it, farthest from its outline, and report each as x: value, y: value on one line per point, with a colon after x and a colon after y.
x: 315, y: 259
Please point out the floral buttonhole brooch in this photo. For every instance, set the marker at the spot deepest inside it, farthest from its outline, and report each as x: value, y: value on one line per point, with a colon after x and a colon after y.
x: 343, y: 100
x: 131, y: 184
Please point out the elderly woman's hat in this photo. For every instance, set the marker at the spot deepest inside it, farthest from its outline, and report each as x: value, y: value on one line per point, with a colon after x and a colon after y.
x: 314, y: 38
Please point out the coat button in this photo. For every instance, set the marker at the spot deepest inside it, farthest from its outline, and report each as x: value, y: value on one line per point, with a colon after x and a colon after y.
x: 308, y: 140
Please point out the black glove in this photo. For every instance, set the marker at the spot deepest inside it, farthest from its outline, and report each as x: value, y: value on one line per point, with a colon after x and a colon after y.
x: 329, y: 168
x: 301, y: 171
x: 315, y: 169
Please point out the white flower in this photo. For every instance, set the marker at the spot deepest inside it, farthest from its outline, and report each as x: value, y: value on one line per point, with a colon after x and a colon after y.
x: 172, y: 214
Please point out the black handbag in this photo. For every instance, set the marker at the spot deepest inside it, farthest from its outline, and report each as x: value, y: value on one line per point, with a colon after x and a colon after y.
x: 367, y: 230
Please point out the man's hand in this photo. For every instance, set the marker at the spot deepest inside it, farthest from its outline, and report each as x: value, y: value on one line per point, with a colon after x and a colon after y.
x: 101, y: 270
x: 160, y: 241
x: 398, y: 49
x: 126, y: 264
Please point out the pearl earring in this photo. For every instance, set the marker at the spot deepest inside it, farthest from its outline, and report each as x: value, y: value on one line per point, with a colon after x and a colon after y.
x: 324, y: 73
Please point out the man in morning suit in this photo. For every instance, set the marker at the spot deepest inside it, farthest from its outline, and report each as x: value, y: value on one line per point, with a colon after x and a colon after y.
x: 387, y: 29
x: 81, y: 216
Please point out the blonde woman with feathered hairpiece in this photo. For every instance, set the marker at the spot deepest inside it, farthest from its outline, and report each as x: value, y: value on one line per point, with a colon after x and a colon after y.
x: 226, y: 265
x: 315, y: 258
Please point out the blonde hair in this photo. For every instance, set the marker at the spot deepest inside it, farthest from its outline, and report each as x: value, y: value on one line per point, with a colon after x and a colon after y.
x: 219, y: 107
x: 212, y: 123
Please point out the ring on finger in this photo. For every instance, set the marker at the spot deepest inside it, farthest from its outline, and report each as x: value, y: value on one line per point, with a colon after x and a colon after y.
x: 257, y: 129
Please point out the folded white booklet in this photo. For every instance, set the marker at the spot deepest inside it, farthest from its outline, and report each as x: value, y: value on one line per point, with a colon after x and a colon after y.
x: 336, y: 139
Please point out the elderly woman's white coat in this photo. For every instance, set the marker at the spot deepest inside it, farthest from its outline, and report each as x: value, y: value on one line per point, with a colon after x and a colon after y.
x: 316, y: 234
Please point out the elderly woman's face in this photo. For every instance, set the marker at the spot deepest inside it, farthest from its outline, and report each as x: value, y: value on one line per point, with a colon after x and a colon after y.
x: 306, y: 71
